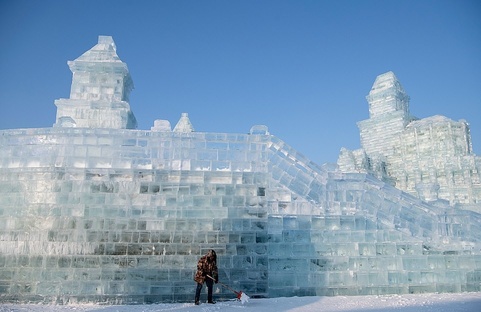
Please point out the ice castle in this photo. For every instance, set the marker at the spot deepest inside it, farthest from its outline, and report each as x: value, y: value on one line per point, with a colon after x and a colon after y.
x: 93, y: 210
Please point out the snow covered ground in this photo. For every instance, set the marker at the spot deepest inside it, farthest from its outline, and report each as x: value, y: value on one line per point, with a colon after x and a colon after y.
x: 464, y: 302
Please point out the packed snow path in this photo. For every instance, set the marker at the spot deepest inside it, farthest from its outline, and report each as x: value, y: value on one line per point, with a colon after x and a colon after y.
x: 464, y: 302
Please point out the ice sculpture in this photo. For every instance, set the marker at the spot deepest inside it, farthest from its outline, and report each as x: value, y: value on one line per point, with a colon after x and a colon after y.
x: 184, y: 124
x: 101, y: 86
x: 431, y: 158
x: 91, y: 213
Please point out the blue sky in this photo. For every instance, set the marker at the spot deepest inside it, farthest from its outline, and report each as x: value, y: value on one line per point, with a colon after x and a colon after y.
x: 303, y: 68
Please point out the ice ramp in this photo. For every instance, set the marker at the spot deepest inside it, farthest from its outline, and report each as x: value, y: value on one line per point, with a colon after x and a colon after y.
x: 351, y: 234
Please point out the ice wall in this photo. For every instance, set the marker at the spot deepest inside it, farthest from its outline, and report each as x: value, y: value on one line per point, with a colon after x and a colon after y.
x: 122, y: 216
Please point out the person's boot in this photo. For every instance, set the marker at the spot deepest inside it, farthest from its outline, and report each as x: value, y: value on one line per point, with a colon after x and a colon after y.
x: 197, y: 294
x: 209, y: 294
x: 209, y: 298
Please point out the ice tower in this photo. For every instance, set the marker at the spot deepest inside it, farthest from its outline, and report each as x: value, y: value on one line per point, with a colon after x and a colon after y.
x: 99, y: 95
x: 92, y: 210
x: 388, y: 115
x: 430, y: 158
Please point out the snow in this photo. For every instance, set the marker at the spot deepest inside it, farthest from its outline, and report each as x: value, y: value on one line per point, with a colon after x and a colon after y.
x: 460, y: 302
x: 244, y: 298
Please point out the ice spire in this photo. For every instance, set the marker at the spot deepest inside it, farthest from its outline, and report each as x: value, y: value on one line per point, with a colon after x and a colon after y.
x: 184, y: 124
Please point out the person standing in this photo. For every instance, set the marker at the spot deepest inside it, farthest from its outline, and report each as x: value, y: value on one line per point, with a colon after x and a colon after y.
x: 207, y: 266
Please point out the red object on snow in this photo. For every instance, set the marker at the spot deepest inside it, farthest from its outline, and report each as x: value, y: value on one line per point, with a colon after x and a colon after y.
x: 241, y: 296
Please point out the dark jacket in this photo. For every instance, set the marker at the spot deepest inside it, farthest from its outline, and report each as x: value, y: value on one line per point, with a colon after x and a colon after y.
x: 207, y: 265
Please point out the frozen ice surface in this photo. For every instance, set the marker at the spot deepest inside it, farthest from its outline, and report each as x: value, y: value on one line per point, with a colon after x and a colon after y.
x: 92, y: 210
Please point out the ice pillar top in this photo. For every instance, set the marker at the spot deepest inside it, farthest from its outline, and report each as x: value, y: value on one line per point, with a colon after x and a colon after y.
x: 184, y: 124
x: 99, y: 95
